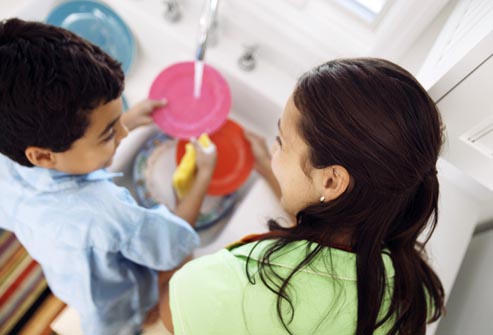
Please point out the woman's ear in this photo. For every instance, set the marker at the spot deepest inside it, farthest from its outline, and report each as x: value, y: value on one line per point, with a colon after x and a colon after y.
x: 41, y: 157
x: 335, y: 181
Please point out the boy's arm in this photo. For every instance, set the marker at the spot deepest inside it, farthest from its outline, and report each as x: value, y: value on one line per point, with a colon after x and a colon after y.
x: 188, y: 208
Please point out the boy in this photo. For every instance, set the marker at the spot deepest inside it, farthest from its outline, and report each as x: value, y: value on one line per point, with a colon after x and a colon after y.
x: 60, y: 125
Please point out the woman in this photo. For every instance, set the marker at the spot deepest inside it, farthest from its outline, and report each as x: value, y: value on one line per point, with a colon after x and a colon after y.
x: 354, y: 163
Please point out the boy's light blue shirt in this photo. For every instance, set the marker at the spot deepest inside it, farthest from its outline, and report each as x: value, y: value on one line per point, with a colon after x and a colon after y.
x: 98, y: 248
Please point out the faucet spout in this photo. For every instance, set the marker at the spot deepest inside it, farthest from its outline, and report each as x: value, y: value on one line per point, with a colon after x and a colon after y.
x: 206, y: 22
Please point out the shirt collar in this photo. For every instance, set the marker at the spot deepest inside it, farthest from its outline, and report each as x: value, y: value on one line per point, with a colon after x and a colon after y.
x: 52, y: 180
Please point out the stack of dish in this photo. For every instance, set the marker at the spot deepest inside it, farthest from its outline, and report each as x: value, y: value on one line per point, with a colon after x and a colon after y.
x: 184, y: 117
x: 100, y: 25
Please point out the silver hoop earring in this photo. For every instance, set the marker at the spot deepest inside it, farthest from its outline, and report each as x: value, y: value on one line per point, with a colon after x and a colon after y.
x: 322, y: 199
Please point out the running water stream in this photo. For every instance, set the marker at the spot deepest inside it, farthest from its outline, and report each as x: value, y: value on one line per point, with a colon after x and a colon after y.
x: 197, y: 78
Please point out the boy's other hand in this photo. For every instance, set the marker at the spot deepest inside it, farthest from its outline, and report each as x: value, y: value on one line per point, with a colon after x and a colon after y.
x: 140, y: 113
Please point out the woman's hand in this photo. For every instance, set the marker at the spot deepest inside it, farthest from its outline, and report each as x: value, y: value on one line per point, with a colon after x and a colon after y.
x: 140, y: 113
x: 262, y: 157
x: 261, y: 153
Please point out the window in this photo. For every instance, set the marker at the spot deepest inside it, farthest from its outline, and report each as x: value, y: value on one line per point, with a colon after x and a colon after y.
x: 369, y: 10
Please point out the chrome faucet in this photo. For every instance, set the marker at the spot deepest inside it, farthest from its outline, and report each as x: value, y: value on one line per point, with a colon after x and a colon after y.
x: 207, y: 25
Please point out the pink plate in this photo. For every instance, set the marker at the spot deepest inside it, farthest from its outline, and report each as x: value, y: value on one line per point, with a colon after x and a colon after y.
x: 185, y: 116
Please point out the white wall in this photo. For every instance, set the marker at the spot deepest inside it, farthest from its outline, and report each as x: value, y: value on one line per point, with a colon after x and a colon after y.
x: 415, y: 56
x: 470, y: 307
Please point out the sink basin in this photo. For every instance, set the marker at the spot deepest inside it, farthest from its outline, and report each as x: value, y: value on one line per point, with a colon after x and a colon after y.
x: 250, y: 108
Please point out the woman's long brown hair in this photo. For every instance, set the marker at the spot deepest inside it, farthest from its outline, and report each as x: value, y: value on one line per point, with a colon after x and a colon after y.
x: 372, y: 117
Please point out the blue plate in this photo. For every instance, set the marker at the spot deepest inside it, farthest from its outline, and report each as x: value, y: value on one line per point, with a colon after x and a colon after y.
x: 100, y: 25
x: 152, y: 174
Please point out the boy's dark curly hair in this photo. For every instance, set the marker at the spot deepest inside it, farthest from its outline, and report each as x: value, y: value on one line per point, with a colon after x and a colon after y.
x: 50, y: 81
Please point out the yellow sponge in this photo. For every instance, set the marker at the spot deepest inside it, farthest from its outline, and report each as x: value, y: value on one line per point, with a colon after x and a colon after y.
x: 184, y: 174
x: 205, y: 141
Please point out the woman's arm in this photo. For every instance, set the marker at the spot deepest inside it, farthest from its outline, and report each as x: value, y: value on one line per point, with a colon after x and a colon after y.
x: 164, y: 308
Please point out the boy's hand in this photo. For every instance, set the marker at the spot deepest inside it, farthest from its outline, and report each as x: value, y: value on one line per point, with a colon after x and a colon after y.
x: 189, y: 206
x: 206, y: 159
x: 140, y: 114
x: 261, y: 153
